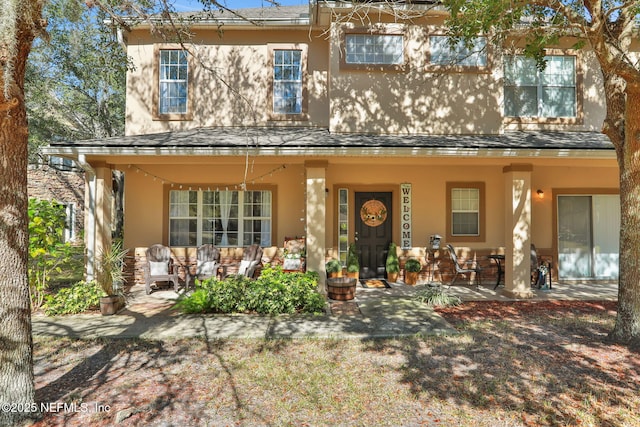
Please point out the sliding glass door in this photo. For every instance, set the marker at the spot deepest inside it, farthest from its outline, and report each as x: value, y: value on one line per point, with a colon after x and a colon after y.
x: 588, y: 236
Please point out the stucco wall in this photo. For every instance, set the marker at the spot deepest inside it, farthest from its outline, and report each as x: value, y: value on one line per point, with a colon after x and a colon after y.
x: 146, y: 185
x: 231, y: 78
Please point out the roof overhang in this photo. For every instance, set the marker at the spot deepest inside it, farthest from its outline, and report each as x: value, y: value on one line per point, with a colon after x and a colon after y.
x: 312, y: 142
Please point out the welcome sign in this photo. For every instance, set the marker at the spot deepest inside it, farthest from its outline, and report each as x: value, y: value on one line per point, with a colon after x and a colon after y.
x: 405, y: 216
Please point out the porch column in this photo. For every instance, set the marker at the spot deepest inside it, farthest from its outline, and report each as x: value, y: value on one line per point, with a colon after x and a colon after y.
x: 98, y: 186
x: 517, y: 185
x: 316, y: 214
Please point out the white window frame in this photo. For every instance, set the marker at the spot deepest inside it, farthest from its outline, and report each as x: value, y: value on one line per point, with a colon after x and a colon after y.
x: 173, y: 76
x: 537, y: 83
x: 197, y: 212
x: 465, y: 201
x: 454, y: 208
x: 70, y: 222
x: 372, y: 49
x: 280, y: 85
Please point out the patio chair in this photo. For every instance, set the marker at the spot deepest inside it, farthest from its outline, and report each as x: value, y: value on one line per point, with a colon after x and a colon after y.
x: 159, y: 267
x: 540, y: 270
x: 208, y: 261
x: 251, y: 260
x: 468, y: 267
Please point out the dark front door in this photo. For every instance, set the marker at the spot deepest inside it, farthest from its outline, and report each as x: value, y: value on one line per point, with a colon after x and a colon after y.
x: 373, y: 232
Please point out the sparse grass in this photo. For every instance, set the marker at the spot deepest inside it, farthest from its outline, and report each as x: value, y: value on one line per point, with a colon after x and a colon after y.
x: 531, y: 368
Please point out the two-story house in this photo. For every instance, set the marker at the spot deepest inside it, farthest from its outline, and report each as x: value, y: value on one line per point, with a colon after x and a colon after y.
x: 359, y: 127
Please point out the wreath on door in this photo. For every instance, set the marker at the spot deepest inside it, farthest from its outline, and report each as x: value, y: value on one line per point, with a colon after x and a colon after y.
x: 373, y: 213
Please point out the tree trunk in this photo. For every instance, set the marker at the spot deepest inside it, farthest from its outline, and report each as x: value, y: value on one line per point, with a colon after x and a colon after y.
x: 16, y: 346
x: 627, y: 327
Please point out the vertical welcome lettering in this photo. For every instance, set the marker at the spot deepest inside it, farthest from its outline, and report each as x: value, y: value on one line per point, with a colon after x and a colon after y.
x: 405, y: 217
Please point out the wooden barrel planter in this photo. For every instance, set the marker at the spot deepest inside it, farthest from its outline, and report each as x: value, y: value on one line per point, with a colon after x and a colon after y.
x: 341, y: 288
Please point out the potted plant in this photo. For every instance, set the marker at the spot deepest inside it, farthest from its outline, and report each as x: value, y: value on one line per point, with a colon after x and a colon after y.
x: 334, y: 268
x: 411, y: 269
x: 353, y: 264
x: 392, y: 264
x: 110, y: 277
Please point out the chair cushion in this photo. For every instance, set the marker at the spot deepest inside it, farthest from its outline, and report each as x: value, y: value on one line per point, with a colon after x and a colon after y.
x: 206, y: 268
x: 158, y: 268
x: 292, y: 264
x: 246, y: 266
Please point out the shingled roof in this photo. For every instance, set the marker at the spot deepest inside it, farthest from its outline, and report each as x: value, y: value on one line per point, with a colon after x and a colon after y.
x: 290, y: 140
x: 271, y: 15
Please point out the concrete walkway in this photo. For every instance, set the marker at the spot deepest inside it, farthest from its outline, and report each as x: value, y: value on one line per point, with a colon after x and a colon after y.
x: 374, y: 313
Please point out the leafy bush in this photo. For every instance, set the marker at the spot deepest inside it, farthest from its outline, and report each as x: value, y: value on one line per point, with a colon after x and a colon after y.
x: 274, y: 292
x: 412, y: 265
x: 333, y: 266
x: 48, y: 253
x: 392, y: 262
x: 78, y: 298
x: 353, y: 262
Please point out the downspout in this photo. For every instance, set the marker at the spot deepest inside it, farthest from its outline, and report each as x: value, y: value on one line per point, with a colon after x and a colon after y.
x: 89, y: 217
x: 121, y: 39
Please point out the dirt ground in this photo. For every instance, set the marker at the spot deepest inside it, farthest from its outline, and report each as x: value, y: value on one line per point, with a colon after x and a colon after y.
x: 512, y: 364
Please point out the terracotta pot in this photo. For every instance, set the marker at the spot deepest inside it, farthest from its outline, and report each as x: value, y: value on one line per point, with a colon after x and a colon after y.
x: 111, y: 305
x: 410, y: 277
x: 355, y: 275
x: 334, y: 275
x: 392, y: 277
x: 341, y: 289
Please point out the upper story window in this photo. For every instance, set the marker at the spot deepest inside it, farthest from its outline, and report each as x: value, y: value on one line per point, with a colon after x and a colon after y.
x: 548, y: 93
x: 465, y: 211
x: 444, y: 51
x: 174, y: 88
x: 373, y: 51
x: 224, y: 218
x: 387, y: 49
x: 287, y: 81
x: 288, y: 92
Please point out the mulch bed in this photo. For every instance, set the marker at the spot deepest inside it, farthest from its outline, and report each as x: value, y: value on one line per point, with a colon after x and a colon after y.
x: 482, y: 310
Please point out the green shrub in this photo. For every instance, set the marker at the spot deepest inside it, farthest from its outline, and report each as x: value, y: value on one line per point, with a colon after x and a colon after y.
x: 48, y: 253
x: 274, y: 292
x: 392, y: 263
x: 333, y: 266
x: 78, y: 298
x: 412, y: 265
x: 353, y: 263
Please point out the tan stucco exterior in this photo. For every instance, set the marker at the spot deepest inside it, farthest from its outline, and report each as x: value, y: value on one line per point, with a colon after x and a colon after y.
x: 230, y: 86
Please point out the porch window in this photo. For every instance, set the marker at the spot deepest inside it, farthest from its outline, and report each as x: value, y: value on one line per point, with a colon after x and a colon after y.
x: 549, y: 93
x: 224, y: 218
x: 446, y: 52
x: 465, y: 207
x: 174, y: 72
